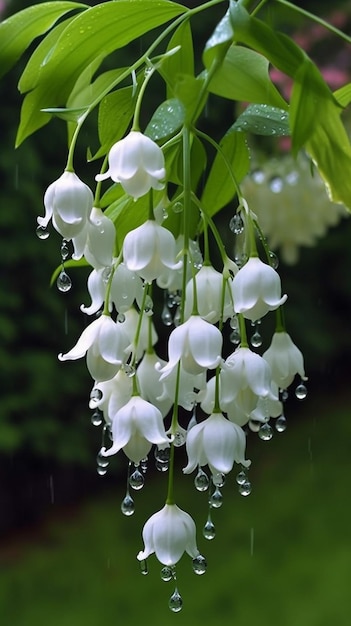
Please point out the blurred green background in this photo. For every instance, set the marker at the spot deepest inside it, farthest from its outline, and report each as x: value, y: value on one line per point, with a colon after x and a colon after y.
x: 67, y: 555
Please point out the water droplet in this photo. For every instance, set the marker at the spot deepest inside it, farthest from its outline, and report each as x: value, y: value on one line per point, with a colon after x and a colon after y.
x: 42, y: 232
x: 276, y: 184
x: 177, y: 207
x: 284, y: 395
x: 127, y: 505
x: 236, y: 224
x: 121, y: 318
x: 101, y: 470
x: 102, y: 460
x: 301, y: 391
x: 64, y: 250
x: 143, y: 567
x: 162, y: 454
x: 273, y: 259
x: 167, y: 573
x: 63, y: 282
x: 254, y: 425
x: 265, y: 432
x: 149, y: 306
x: 241, y: 478
x: 96, y: 418
x: 201, y: 481
x: 175, y: 602
x: 177, y: 317
x: 199, y: 565
x: 161, y: 467
x: 129, y: 370
x: 234, y: 323
x: 216, y: 499
x: 209, y: 531
x: 106, y: 274
x: 256, y: 340
x: 235, y: 337
x: 136, y: 480
x: 245, y: 488
x: 166, y: 316
x: 96, y: 394
x: 280, y: 424
x: 143, y: 464
x: 179, y: 438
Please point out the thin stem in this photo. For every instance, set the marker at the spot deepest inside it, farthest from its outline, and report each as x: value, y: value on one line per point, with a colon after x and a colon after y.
x: 280, y: 322
x: 242, y: 329
x: 140, y: 321
x: 174, y: 428
x: 151, y: 70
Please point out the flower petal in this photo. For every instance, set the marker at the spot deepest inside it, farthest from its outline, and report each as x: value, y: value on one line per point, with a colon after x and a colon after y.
x: 84, y: 342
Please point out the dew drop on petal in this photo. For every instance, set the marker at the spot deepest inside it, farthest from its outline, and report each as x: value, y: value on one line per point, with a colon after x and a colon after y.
x: 280, y: 424
x: 64, y: 250
x: 121, y: 318
x: 273, y: 259
x: 236, y: 224
x: 166, y: 316
x: 179, y: 439
x: 201, y: 481
x: 218, y: 479
x: 96, y: 394
x: 284, y: 395
x: 235, y: 336
x: 177, y: 207
x: 106, y: 274
x: 245, y: 488
x: 301, y: 391
x: 216, y: 499
x: 167, y: 574
x: 143, y: 567
x: 161, y: 466
x: 175, y: 602
x: 143, y: 464
x: 63, y: 281
x: 199, y: 565
x: 256, y: 340
x: 101, y: 460
x: 241, y: 478
x: 96, y: 418
x: 129, y: 370
x: 42, y: 232
x: 162, y: 454
x: 265, y: 432
x: 209, y: 531
x: 136, y: 480
x: 127, y: 505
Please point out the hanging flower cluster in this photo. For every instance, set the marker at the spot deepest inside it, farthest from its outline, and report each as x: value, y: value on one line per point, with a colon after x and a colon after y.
x: 151, y: 231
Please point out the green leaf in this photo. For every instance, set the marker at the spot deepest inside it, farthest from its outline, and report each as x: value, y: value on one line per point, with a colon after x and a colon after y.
x: 167, y: 120
x: 188, y: 90
x: 180, y: 63
x: 262, y: 119
x: 343, y: 95
x: 69, y: 115
x: 220, y: 189
x: 115, y: 113
x: 19, y: 30
x: 96, y: 33
x: 244, y: 76
x: 282, y: 52
x: 219, y: 42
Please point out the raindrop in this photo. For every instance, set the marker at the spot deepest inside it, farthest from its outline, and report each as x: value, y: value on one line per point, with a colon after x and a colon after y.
x: 284, y: 395
x: 234, y: 337
x: 136, y: 480
x: 101, y: 470
x: 245, y: 488
x: 234, y: 322
x: 199, y: 565
x: 256, y: 340
x: 209, y: 531
x: 143, y: 464
x: 255, y: 425
x: 177, y: 317
x: 236, y: 224
x: 166, y: 316
x: 63, y: 282
x: 216, y: 499
x: 167, y: 573
x: 149, y: 306
x: 143, y: 567
x: 280, y: 424
x: 218, y: 479
x: 121, y: 318
x: 177, y: 207
x: 101, y: 460
x: 127, y: 505
x: 201, y: 481
x: 265, y: 432
x: 129, y: 370
x: 96, y: 418
x: 276, y: 184
x: 161, y: 467
x: 179, y: 438
x: 106, y: 274
x: 96, y: 394
x: 175, y: 602
x: 64, y: 250
x: 241, y: 478
x: 42, y: 232
x: 162, y: 454
x: 301, y: 391
x: 273, y: 260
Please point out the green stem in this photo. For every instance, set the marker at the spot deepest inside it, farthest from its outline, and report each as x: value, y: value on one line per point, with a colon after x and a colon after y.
x: 280, y: 322
x: 170, y: 491
x: 140, y: 321
x: 217, y: 407
x: 151, y: 70
x: 242, y: 329
x: 207, y: 260
x: 174, y: 428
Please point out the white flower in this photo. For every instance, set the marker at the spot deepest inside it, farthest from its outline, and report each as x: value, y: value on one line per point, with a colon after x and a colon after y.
x: 135, y: 427
x: 96, y: 241
x: 169, y: 533
x: 209, y: 287
x: 149, y: 249
x: 256, y: 289
x: 267, y: 407
x: 197, y: 344
x: 187, y: 386
x: 285, y: 360
x: 172, y: 279
x: 106, y: 345
x: 244, y: 378
x: 151, y: 388
x: 130, y: 325
x: 216, y: 442
x: 116, y: 392
x: 126, y: 287
x: 137, y: 163
x: 68, y: 202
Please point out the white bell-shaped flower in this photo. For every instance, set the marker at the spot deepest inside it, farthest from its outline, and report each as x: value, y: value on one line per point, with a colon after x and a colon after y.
x: 137, y: 163
x: 256, y: 289
x: 209, y: 287
x: 126, y: 287
x: 149, y: 249
x: 135, y: 427
x: 169, y: 533
x: 267, y: 407
x: 106, y: 346
x: 197, y: 344
x: 96, y: 241
x: 285, y: 360
x: 114, y: 394
x: 151, y: 388
x: 245, y: 369
x: 188, y: 386
x: 215, y: 442
x: 172, y: 279
x: 68, y: 203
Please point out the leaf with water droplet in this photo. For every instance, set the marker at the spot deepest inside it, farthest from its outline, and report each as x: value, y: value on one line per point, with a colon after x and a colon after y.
x: 167, y: 120
x: 261, y: 119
